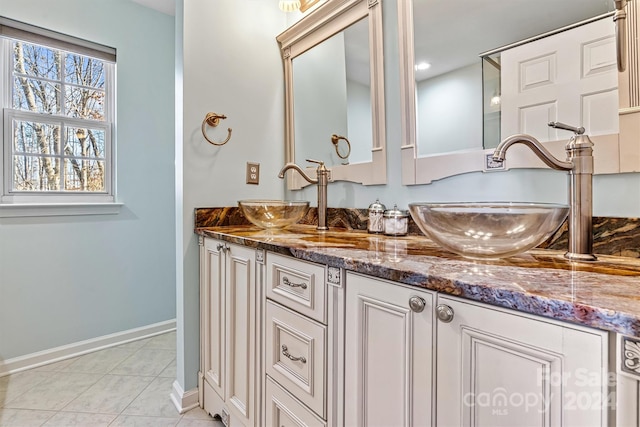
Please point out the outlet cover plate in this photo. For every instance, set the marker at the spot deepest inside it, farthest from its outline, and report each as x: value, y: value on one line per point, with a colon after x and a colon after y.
x: 253, y: 173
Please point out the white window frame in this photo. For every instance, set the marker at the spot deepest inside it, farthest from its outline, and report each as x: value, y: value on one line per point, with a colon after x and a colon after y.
x: 48, y: 203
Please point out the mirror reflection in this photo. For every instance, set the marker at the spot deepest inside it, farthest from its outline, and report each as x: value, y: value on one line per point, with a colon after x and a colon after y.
x: 453, y: 112
x: 332, y: 99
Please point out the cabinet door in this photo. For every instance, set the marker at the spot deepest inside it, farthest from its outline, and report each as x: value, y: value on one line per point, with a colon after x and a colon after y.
x: 213, y: 314
x: 241, y: 349
x: 388, y: 354
x: 502, y: 368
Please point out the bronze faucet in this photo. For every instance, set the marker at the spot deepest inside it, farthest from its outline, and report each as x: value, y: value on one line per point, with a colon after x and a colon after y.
x: 579, y: 164
x: 322, y: 180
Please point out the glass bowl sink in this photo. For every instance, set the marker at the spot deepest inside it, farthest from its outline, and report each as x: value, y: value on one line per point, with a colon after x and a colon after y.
x: 273, y: 214
x: 488, y: 230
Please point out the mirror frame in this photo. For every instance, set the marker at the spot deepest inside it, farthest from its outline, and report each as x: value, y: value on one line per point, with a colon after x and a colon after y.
x: 327, y: 20
x: 616, y: 153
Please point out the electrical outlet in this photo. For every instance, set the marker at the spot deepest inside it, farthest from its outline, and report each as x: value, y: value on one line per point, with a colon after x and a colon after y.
x: 491, y: 164
x: 253, y: 173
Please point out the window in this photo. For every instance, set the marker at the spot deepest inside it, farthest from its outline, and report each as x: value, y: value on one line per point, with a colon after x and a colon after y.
x: 59, y: 109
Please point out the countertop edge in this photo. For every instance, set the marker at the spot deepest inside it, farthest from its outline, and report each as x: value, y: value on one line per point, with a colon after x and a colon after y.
x: 549, y: 307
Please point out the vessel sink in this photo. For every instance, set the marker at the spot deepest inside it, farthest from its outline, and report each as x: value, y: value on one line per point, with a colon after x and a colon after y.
x: 488, y: 230
x: 273, y: 214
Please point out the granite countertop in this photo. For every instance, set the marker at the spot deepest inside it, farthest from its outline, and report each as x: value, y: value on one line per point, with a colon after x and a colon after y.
x: 604, y: 294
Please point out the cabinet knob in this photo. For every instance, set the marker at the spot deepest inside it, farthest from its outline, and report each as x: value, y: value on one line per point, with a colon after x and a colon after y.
x: 444, y: 313
x: 416, y: 304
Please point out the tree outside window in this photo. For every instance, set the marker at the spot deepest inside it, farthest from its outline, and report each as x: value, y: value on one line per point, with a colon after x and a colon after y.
x: 57, y: 143
x: 58, y: 155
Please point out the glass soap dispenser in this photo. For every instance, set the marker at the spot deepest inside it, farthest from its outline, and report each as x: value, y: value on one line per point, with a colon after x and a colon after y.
x: 396, y: 222
x: 376, y: 213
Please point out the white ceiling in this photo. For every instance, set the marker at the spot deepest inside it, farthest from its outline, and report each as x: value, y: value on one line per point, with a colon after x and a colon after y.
x: 451, y: 34
x: 165, y: 6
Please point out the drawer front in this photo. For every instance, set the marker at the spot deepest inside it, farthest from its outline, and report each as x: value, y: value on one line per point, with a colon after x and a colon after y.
x: 298, y: 285
x: 296, y: 355
x: 284, y: 410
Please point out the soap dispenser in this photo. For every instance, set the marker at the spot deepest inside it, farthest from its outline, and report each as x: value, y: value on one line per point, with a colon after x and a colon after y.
x: 376, y: 213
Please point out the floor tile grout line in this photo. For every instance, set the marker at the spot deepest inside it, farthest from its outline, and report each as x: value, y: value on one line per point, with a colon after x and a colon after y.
x: 65, y: 371
x: 72, y: 400
x: 142, y: 391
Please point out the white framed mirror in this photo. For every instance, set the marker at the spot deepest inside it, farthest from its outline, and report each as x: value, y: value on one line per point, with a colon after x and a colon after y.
x: 334, y: 87
x: 450, y: 125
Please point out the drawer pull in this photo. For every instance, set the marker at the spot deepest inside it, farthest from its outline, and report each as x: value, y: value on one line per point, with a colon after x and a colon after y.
x: 285, y: 352
x: 286, y: 281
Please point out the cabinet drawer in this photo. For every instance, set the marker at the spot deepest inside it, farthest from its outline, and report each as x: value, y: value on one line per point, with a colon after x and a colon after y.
x: 285, y: 410
x: 298, y: 285
x: 296, y: 355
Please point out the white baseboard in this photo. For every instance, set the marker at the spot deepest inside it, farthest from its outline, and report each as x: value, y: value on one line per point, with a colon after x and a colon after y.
x: 184, y: 401
x: 56, y: 354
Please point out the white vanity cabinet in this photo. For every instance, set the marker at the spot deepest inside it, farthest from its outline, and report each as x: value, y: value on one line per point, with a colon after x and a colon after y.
x: 301, y: 343
x: 286, y: 342
x: 229, y: 328
x: 389, y: 352
x: 504, y: 368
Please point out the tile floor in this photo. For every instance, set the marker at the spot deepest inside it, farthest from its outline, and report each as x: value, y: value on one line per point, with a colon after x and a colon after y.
x: 127, y: 385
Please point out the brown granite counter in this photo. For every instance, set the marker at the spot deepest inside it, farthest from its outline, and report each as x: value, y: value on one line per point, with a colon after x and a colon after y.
x: 604, y: 294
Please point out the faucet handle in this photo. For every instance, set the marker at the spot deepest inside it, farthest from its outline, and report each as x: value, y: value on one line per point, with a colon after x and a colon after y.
x: 321, y: 163
x: 558, y: 125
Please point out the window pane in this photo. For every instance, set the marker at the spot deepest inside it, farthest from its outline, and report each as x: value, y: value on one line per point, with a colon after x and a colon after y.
x: 83, y: 175
x: 83, y: 142
x: 84, y: 103
x: 33, y: 173
x: 33, y: 137
x: 54, y: 143
x: 84, y: 71
x: 35, y: 95
x: 36, y: 61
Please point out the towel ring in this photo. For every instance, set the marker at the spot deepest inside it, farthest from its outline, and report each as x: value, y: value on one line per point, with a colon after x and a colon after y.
x: 213, y: 120
x: 335, y: 139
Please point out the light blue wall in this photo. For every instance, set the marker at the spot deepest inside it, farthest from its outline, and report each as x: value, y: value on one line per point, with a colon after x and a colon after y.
x: 450, y: 101
x: 231, y: 66
x: 319, y: 78
x: 613, y: 195
x: 67, y: 279
x: 360, y: 126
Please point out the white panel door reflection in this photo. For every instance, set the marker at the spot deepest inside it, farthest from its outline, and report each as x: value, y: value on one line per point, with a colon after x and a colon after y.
x: 569, y: 77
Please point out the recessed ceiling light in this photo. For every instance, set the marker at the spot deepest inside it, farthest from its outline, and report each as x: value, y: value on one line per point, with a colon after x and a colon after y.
x: 422, y: 66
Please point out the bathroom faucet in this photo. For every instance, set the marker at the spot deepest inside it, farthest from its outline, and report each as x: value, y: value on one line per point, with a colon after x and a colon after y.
x: 579, y: 164
x: 322, y: 180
